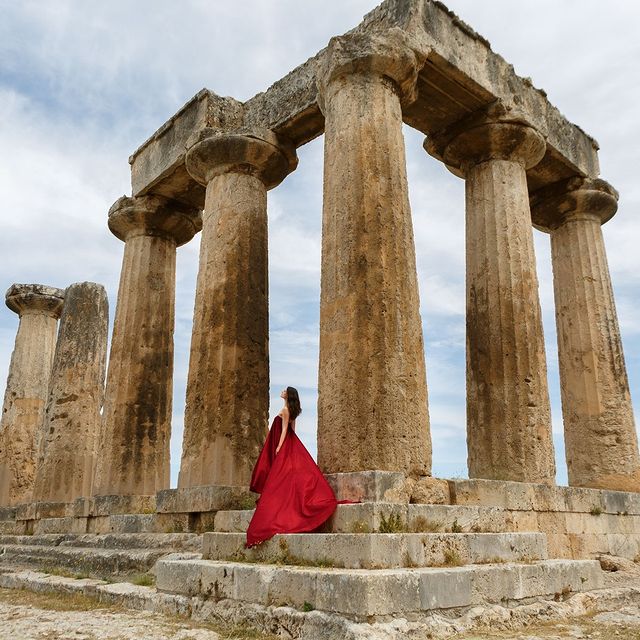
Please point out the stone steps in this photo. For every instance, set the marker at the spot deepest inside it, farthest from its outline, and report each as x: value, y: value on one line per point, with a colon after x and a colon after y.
x: 369, y: 517
x: 367, y: 594
x: 379, y: 550
x: 168, y: 541
x: 82, y: 560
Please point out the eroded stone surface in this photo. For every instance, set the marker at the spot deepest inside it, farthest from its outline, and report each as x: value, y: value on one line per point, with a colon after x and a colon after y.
x: 372, y: 391
x: 39, y: 308
x: 227, y: 402
x: 136, y: 425
x: 68, y: 450
x: 601, y: 442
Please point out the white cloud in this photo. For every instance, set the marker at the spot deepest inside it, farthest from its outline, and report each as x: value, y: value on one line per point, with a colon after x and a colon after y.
x: 82, y: 84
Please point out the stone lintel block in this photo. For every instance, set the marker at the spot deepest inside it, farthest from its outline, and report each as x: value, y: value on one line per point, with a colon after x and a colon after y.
x: 8, y: 513
x: 361, y: 593
x: 204, y: 498
x: 161, y: 158
x: 377, y: 551
x: 366, y: 486
x: 110, y: 505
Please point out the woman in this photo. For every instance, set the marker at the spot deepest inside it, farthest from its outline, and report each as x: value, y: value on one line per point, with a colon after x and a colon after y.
x: 295, y: 496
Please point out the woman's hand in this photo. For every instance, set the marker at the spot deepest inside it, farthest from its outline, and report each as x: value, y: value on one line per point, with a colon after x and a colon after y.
x: 278, y: 449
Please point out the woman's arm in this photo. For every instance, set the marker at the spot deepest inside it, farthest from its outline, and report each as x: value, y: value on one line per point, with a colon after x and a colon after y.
x: 285, y: 425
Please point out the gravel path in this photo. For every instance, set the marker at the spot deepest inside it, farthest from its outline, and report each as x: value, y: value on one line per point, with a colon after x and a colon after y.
x: 31, y: 616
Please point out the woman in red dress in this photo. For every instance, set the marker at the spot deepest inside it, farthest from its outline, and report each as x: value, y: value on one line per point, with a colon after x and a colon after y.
x: 295, y: 496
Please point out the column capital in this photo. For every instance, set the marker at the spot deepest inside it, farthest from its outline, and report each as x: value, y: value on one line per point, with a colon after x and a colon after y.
x: 35, y: 298
x: 573, y: 199
x: 387, y: 54
x: 257, y: 152
x: 499, y: 132
x: 153, y: 216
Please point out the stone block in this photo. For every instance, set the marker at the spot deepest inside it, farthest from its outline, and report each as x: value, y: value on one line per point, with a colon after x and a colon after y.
x: 292, y: 587
x: 99, y: 524
x: 67, y: 524
x: 205, y: 498
x: 83, y: 507
x: 113, y: 505
x: 12, y: 527
x: 377, y: 551
x: 519, y: 496
x: 366, y: 486
x: 429, y: 490
x: 26, y: 511
x: 179, y: 576
x: 559, y: 545
x: 445, y: 589
x: 217, y: 580
x: 8, y: 513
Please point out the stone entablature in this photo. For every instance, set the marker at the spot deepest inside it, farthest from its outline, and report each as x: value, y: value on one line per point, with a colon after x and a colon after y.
x: 459, y: 74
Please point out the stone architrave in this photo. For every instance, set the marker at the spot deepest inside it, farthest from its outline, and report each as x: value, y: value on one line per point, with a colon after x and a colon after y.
x: 72, y: 417
x: 372, y: 389
x: 136, y: 427
x: 228, y: 384
x: 39, y: 308
x: 508, y: 410
x: 601, y: 443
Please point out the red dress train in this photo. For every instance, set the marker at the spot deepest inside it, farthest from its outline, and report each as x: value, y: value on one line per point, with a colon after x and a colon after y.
x: 295, y: 496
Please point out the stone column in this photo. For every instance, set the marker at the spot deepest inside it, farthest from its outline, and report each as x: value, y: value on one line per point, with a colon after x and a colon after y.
x: 134, y: 453
x: 228, y: 384
x: 72, y: 417
x: 372, y: 390
x: 508, y: 410
x: 601, y: 443
x: 39, y: 308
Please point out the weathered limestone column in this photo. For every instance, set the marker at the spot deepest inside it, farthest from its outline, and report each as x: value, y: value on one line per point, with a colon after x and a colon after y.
x: 508, y: 410
x: 372, y: 390
x: 134, y: 451
x: 228, y: 383
x: 76, y: 390
x: 601, y: 443
x: 39, y: 308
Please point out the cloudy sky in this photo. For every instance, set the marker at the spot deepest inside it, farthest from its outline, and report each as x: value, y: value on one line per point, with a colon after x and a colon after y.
x: 84, y: 82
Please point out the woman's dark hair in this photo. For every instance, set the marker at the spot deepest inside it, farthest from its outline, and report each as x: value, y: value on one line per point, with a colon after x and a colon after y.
x: 293, y: 402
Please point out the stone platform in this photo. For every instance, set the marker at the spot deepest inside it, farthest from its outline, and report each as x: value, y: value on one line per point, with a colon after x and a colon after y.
x: 476, y: 542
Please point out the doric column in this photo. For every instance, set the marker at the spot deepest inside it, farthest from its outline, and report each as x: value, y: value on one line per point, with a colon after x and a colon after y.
x: 601, y: 443
x: 372, y: 390
x: 508, y: 410
x: 76, y: 389
x: 39, y: 308
x: 134, y: 452
x: 228, y: 383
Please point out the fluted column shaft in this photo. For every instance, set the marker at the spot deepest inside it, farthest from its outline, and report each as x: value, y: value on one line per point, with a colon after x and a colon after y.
x: 134, y: 457
x: 372, y: 391
x: 25, y: 397
x: 508, y: 410
x: 72, y: 417
x: 601, y: 443
x: 228, y: 385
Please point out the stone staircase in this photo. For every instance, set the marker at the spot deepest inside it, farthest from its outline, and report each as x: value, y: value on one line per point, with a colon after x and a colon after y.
x: 110, y: 555
x: 377, y: 559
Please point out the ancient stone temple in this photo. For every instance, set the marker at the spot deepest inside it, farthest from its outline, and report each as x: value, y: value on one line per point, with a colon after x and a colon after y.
x: 516, y: 535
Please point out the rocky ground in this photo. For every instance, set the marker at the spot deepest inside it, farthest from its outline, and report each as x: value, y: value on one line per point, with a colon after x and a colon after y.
x: 611, y: 614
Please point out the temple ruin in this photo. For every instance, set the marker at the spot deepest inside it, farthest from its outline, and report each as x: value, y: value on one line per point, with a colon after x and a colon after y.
x: 208, y: 169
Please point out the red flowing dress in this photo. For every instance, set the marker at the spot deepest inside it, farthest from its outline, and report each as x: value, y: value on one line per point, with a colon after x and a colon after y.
x: 295, y: 496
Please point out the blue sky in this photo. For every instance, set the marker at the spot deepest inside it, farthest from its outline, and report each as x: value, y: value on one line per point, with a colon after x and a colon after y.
x: 83, y: 83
